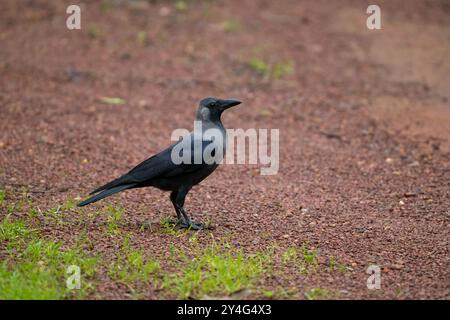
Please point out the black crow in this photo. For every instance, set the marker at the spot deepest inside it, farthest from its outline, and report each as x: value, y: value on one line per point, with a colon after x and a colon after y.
x: 162, y: 172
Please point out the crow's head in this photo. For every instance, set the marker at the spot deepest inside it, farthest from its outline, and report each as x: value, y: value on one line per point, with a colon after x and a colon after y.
x: 211, y: 108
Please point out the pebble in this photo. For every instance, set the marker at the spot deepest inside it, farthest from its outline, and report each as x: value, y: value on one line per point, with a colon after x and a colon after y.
x: 397, y: 266
x: 164, y: 11
x: 410, y: 194
x: 143, y: 103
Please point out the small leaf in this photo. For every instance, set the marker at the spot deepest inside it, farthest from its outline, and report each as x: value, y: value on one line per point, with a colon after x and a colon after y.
x: 113, y: 100
x: 181, y: 5
x: 141, y: 38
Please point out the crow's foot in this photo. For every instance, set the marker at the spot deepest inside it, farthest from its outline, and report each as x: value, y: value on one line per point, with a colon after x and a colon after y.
x: 190, y: 225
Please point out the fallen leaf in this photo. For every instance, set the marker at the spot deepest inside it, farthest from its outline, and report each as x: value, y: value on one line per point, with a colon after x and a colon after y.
x: 113, y: 100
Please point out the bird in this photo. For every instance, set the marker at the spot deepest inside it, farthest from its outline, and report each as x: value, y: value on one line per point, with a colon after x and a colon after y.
x: 162, y: 172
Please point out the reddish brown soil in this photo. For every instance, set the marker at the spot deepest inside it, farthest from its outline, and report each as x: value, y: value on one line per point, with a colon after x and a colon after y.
x: 364, y: 125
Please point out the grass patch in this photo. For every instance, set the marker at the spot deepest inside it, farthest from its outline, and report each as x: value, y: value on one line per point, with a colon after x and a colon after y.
x: 335, y: 265
x: 2, y: 198
x: 93, y: 32
x: 36, y: 269
x: 181, y: 5
x: 192, y: 267
x: 69, y: 204
x: 278, y: 293
x: 321, y: 294
x: 142, y: 38
x: 231, y: 25
x: 13, y: 231
x: 271, y: 70
x: 281, y: 69
x: 105, y: 6
x: 131, y: 266
x: 168, y: 227
x: 51, y: 215
x: 259, y: 66
x: 114, y: 219
x: 218, y: 269
x: 304, y: 258
x: 54, y: 214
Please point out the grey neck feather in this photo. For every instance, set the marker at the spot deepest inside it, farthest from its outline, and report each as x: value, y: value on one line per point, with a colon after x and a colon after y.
x: 204, y: 114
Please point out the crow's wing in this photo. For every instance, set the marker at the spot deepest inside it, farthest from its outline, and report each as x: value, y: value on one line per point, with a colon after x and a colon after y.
x: 158, y: 166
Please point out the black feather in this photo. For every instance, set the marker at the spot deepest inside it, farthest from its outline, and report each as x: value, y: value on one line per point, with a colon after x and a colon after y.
x: 104, y: 194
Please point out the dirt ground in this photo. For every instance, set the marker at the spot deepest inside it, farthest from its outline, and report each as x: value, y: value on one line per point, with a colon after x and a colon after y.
x: 364, y: 121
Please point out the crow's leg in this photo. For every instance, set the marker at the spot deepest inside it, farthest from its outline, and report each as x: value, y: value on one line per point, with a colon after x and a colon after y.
x: 173, y: 196
x: 190, y: 224
x: 177, y: 198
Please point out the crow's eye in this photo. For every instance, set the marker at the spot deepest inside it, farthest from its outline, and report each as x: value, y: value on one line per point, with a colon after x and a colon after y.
x: 212, y: 104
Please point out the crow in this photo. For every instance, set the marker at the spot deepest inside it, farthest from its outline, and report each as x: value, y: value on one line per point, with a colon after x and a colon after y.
x: 162, y: 172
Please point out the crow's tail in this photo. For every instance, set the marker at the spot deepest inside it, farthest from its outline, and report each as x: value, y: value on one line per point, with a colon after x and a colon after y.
x: 105, y: 194
x: 111, y: 184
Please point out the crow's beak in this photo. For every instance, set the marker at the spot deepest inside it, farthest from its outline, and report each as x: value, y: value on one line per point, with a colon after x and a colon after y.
x: 229, y: 103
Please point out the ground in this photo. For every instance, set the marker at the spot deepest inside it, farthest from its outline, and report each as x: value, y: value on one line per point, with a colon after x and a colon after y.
x: 364, y: 123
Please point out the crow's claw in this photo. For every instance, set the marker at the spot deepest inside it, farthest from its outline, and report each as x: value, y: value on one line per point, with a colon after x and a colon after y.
x: 190, y: 225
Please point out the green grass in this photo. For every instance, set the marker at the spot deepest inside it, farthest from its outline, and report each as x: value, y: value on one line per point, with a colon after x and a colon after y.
x: 216, y: 270
x: 25, y: 281
x: 335, y: 265
x: 278, y: 293
x: 69, y: 204
x: 105, y: 6
x: 50, y: 253
x: 141, y: 38
x: 231, y: 25
x: 271, y: 70
x: 321, y: 294
x: 51, y: 215
x: 13, y: 208
x: 55, y: 215
x: 33, y: 212
x: 35, y: 268
x: 304, y: 258
x: 259, y: 66
x: 114, y: 219
x: 281, y: 69
x: 13, y: 231
x: 181, y: 5
x: 93, y: 32
x: 133, y: 267
x: 2, y: 198
x: 168, y: 227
